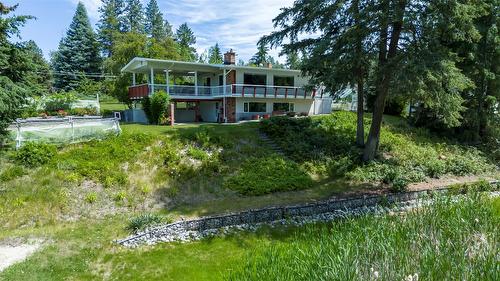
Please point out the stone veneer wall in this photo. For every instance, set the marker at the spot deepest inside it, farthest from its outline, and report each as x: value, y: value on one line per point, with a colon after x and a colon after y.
x: 278, y: 213
x: 231, y: 110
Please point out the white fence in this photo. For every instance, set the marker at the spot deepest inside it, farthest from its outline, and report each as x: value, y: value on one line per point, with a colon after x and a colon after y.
x: 63, y: 130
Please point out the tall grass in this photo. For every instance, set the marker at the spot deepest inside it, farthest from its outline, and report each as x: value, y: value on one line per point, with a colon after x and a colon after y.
x: 448, y: 241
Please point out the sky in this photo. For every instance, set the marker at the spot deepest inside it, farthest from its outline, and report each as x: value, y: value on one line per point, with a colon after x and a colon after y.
x: 233, y: 24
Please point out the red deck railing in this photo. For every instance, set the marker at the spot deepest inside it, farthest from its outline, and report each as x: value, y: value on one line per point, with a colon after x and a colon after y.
x: 242, y: 90
x: 138, y: 92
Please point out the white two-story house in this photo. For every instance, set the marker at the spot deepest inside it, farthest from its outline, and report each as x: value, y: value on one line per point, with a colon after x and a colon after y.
x: 226, y: 92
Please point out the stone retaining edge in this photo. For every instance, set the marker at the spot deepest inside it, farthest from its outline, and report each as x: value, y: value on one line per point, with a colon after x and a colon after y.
x: 276, y: 213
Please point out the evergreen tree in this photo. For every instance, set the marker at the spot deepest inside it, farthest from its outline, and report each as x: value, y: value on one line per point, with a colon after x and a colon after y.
x: 215, y: 54
x: 134, y: 16
x: 186, y: 39
x: 168, y: 29
x: 338, y: 58
x: 78, y: 52
x: 292, y: 60
x: 261, y: 57
x: 385, y: 41
x: 154, y: 25
x: 110, y: 23
x: 12, y: 91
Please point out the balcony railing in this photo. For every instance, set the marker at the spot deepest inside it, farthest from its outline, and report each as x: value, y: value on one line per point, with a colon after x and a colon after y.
x: 233, y: 90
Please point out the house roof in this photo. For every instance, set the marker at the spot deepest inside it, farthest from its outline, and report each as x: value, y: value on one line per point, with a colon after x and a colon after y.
x: 144, y: 65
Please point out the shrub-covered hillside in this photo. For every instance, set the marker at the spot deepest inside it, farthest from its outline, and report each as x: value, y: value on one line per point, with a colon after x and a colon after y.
x: 325, y: 145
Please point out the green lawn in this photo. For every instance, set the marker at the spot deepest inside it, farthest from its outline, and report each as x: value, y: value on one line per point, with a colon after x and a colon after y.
x: 463, y: 244
x: 113, y: 106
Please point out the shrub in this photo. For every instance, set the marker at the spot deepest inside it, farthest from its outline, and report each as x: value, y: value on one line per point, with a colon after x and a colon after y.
x: 120, y: 196
x: 259, y: 176
x: 89, y: 110
x: 59, y: 101
x: 197, y: 153
x: 11, y: 173
x: 102, y: 160
x: 144, y: 221
x: 33, y: 154
x: 91, y: 197
x: 406, y: 154
x: 156, y: 107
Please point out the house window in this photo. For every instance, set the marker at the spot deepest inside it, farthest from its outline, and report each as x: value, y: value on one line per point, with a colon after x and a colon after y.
x: 284, y: 81
x: 254, y: 107
x: 254, y: 79
x: 283, y: 106
x: 183, y: 105
x: 221, y: 80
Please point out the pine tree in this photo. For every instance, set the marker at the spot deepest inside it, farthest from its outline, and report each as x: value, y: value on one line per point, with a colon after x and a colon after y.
x: 186, y: 39
x: 78, y: 51
x: 134, y: 16
x: 292, y: 60
x: 110, y: 23
x: 12, y: 88
x: 154, y: 25
x: 215, y: 54
x: 261, y: 57
x: 168, y: 29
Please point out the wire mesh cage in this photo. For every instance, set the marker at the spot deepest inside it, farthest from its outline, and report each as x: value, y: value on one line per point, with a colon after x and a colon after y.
x: 64, y: 130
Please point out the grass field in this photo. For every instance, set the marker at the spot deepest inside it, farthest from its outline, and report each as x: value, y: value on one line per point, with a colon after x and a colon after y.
x: 448, y: 241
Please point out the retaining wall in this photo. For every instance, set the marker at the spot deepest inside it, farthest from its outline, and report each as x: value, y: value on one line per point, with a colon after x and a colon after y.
x: 255, y: 216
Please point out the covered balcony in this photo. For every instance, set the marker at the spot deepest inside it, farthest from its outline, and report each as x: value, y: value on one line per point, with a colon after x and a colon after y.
x: 216, y: 92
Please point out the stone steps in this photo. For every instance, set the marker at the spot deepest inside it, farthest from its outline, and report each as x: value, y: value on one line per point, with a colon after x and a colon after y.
x: 271, y: 144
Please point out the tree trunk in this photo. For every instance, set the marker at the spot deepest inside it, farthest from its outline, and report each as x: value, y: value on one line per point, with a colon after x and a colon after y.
x: 359, y: 73
x: 360, y: 130
x: 386, y: 67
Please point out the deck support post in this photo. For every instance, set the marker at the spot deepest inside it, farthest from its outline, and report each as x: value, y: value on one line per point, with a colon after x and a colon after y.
x: 196, y: 83
x: 172, y: 115
x: 167, y: 80
x: 152, y: 81
x: 133, y: 78
x: 224, y: 98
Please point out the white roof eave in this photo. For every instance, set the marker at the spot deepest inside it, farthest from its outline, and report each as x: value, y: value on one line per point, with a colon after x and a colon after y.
x: 139, y: 62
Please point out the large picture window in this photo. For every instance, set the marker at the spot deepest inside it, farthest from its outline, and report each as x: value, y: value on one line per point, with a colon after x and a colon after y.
x: 283, y: 81
x: 283, y: 106
x: 254, y: 107
x: 254, y: 79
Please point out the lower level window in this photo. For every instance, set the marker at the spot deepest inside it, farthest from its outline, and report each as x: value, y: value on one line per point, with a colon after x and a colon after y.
x: 254, y: 107
x: 283, y: 106
x: 185, y: 105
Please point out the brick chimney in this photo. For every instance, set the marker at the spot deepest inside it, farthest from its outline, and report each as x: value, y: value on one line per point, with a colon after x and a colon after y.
x: 269, y: 65
x: 230, y: 57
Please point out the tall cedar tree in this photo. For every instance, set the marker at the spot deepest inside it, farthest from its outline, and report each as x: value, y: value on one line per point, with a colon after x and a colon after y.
x: 154, y: 25
x: 110, y: 23
x: 134, y: 16
x: 338, y: 58
x: 186, y: 39
x: 215, y: 54
x: 78, y: 52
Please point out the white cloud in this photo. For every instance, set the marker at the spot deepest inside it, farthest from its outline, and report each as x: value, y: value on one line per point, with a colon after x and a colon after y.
x: 234, y: 24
